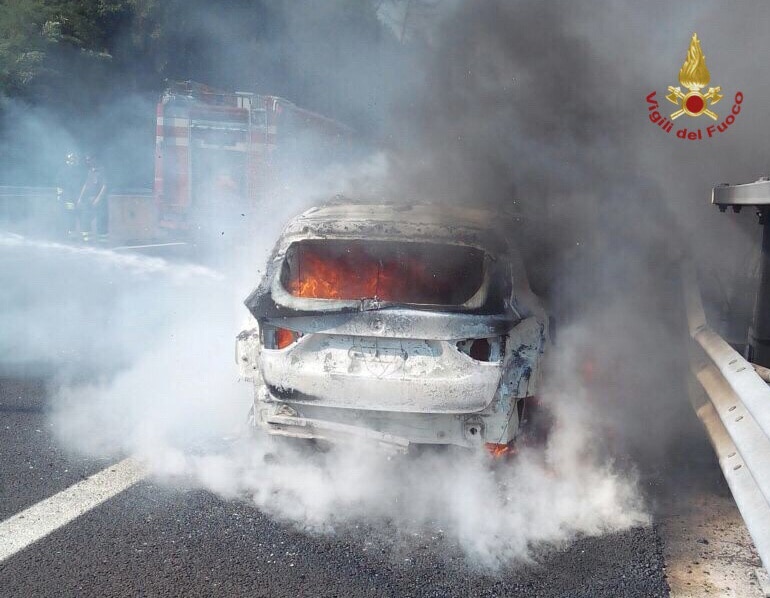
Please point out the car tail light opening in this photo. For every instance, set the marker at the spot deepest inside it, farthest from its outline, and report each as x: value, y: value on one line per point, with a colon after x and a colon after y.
x: 483, y: 349
x: 274, y: 337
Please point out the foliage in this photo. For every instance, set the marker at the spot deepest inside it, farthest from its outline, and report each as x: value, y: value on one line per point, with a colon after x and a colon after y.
x: 68, y: 52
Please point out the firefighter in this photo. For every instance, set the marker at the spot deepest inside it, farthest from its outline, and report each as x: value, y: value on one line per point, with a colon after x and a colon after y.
x: 70, y: 180
x: 91, y: 205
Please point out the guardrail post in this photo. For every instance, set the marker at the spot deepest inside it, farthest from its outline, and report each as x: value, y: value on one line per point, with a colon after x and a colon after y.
x: 759, y: 333
x: 756, y: 195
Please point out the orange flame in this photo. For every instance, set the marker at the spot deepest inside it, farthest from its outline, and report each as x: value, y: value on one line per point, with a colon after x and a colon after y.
x: 499, y: 451
x: 357, y: 275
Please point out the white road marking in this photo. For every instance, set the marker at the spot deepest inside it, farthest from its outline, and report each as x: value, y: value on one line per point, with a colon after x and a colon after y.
x: 39, y: 520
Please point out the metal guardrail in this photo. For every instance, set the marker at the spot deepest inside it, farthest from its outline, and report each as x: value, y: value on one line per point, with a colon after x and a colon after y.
x: 736, y: 414
x: 42, y: 211
x: 29, y: 210
x: 21, y: 197
x: 24, y: 194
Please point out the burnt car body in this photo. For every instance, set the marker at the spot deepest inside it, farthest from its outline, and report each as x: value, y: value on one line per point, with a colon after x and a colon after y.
x: 403, y: 325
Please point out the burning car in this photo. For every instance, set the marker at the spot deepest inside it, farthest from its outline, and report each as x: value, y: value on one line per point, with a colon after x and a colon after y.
x: 402, y: 325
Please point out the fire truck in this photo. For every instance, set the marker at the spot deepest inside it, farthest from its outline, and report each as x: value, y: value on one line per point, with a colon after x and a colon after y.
x: 219, y: 153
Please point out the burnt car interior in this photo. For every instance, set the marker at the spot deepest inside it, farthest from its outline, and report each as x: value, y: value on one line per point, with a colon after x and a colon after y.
x: 333, y: 274
x: 398, y: 272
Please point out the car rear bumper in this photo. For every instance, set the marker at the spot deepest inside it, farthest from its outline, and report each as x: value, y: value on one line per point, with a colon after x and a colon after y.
x: 419, y: 391
x: 393, y: 430
x: 380, y: 374
x: 303, y: 427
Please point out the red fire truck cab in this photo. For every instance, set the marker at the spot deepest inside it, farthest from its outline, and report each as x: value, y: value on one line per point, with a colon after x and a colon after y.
x: 218, y: 153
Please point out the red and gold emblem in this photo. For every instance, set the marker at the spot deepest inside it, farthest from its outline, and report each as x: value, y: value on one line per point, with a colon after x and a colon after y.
x: 694, y: 76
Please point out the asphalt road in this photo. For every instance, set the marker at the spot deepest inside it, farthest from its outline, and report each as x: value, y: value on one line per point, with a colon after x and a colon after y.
x: 154, y: 542
x: 158, y: 541
x: 32, y: 466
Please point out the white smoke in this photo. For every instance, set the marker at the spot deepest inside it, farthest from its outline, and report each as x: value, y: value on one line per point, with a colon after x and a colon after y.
x: 180, y: 408
x: 497, y: 512
x: 67, y: 310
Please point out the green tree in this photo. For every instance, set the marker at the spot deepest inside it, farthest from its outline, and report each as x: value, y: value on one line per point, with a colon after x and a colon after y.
x: 43, y: 43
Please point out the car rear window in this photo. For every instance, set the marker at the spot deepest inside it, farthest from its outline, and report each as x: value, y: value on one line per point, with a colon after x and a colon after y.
x: 401, y: 272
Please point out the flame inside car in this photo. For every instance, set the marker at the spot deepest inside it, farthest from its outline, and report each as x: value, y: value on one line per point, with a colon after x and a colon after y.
x: 417, y: 273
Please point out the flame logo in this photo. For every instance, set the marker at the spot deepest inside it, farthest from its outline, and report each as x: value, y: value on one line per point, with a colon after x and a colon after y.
x: 694, y: 74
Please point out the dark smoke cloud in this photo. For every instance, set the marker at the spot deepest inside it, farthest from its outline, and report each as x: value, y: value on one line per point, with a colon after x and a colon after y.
x: 540, y: 107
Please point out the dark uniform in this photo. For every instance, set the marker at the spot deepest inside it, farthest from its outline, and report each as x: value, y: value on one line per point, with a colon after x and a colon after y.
x: 92, y: 203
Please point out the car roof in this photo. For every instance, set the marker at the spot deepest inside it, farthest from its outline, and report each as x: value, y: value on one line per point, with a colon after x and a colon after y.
x: 427, y: 213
